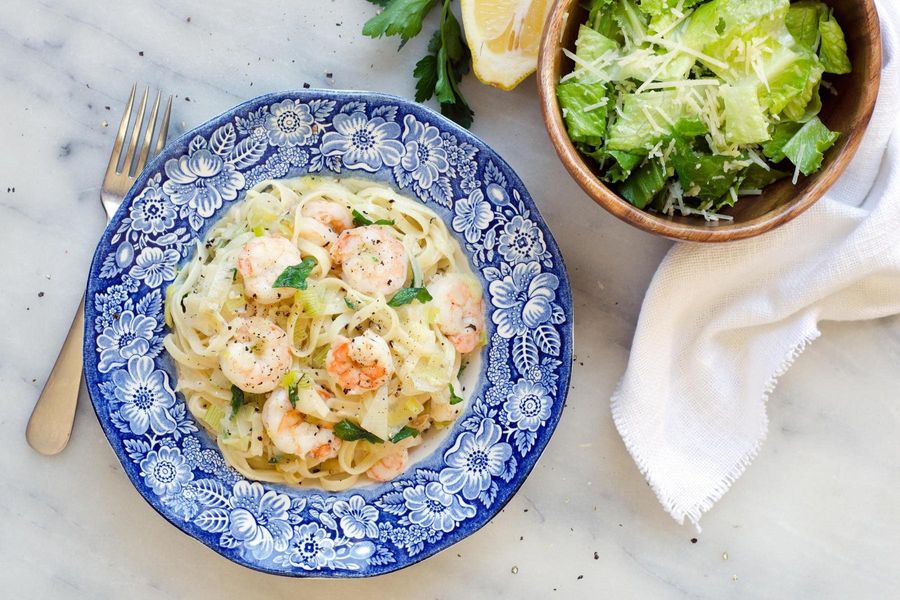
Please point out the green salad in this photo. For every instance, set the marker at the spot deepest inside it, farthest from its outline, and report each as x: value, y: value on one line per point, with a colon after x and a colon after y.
x: 689, y: 105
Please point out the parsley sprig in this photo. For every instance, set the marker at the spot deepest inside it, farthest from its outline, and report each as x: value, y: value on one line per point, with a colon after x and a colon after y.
x: 439, y: 73
x: 407, y: 295
x: 237, y: 400
x: 296, y: 275
x: 361, y: 220
x: 454, y: 399
x: 351, y: 432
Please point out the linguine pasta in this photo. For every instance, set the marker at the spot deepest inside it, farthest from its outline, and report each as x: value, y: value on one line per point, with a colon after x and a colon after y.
x: 208, y: 296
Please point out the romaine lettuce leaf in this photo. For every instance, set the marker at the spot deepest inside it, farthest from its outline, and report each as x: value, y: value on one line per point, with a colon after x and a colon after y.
x: 656, y: 64
x: 600, y: 17
x: 755, y: 177
x: 833, y: 51
x: 644, y: 184
x: 806, y: 149
x: 584, y: 126
x: 702, y: 175
x: 715, y: 25
x: 790, y: 72
x: 808, y: 102
x: 590, y: 46
x: 617, y: 165
x: 745, y: 120
x: 798, y: 112
x: 635, y: 130
x: 748, y: 18
x: 633, y: 23
x: 748, y: 39
x: 803, y: 22
x: 781, y: 135
x: 623, y: 164
x: 662, y: 7
x: 689, y: 128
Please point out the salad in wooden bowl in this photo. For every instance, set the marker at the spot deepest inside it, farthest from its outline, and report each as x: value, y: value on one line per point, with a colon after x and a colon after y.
x: 708, y: 120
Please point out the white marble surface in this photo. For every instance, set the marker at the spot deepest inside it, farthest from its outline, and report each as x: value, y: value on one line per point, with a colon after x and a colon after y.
x: 816, y: 516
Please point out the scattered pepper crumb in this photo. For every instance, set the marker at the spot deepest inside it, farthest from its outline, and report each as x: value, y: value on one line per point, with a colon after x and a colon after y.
x: 580, y: 577
x: 141, y: 53
x: 514, y: 570
x: 40, y: 294
x: 693, y: 540
x: 596, y: 556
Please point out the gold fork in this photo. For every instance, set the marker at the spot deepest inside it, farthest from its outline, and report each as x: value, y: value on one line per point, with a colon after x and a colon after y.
x: 50, y: 425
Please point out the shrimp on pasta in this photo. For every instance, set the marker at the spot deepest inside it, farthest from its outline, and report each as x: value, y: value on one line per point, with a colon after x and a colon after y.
x: 342, y: 373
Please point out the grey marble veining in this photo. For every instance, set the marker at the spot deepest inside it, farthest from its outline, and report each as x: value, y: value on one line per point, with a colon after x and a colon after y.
x: 815, y: 516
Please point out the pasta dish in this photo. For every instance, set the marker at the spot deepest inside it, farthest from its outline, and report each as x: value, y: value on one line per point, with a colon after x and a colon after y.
x: 320, y: 330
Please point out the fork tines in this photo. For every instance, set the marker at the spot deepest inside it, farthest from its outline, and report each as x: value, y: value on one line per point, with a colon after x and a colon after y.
x: 130, y: 166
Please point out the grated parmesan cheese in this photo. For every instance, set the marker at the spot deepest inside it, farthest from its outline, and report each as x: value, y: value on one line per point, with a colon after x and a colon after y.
x: 687, y: 50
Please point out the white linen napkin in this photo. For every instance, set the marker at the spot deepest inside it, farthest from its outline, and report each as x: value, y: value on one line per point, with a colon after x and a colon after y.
x: 721, y: 323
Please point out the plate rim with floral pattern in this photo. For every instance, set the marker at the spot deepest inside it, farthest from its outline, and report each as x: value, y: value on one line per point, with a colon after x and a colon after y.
x: 509, y: 416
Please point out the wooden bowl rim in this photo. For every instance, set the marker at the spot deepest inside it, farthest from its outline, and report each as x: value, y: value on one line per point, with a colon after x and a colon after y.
x: 548, y: 77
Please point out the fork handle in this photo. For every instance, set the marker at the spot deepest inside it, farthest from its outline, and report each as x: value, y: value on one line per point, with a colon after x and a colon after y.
x: 51, y: 420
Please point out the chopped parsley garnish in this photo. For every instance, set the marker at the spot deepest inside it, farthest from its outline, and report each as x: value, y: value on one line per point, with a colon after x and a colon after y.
x: 454, y: 399
x: 351, y: 432
x: 360, y: 220
x: 350, y: 305
x: 407, y: 295
x: 406, y: 432
x: 296, y: 275
x: 237, y: 399
x: 294, y: 381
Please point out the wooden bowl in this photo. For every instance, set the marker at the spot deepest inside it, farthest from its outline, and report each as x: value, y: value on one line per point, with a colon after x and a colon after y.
x: 847, y: 112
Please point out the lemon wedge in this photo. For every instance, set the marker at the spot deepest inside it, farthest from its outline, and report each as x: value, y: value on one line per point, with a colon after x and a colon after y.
x: 504, y: 37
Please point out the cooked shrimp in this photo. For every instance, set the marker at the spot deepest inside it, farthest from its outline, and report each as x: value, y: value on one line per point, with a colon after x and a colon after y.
x: 460, y: 310
x: 322, y: 221
x: 361, y: 364
x: 372, y: 261
x: 258, y: 355
x: 390, y: 466
x: 260, y: 263
x: 292, y: 434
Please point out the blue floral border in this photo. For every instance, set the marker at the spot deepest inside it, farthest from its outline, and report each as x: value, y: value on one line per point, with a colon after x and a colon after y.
x: 511, y: 413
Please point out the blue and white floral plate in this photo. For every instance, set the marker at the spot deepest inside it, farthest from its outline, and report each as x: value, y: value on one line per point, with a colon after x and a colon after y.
x: 513, y: 408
